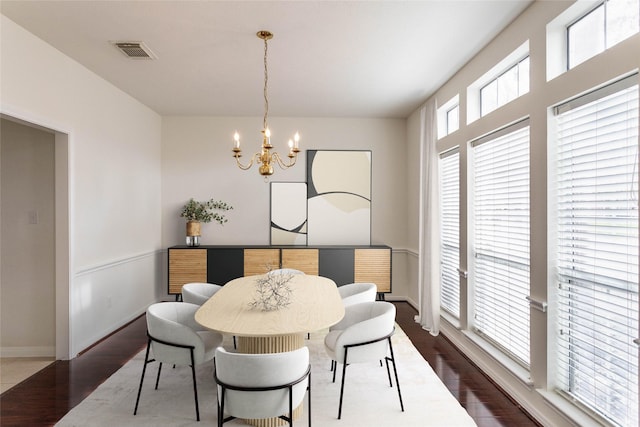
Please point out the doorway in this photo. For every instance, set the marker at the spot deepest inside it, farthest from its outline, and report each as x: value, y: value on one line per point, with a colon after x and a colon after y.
x: 34, y: 240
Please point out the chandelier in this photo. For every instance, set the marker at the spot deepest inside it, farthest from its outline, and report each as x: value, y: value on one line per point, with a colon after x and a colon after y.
x: 265, y: 158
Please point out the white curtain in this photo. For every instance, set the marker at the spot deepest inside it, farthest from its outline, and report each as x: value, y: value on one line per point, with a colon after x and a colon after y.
x: 429, y: 246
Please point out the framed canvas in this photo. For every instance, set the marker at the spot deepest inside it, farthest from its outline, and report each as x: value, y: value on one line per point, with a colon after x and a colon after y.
x: 339, y: 197
x: 288, y: 213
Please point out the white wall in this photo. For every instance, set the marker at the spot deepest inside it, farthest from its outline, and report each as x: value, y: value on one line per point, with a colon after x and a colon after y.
x: 27, y: 306
x: 197, y: 162
x: 617, y: 61
x: 115, y: 179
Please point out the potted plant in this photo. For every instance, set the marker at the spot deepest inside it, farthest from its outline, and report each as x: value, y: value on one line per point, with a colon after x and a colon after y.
x: 198, y: 212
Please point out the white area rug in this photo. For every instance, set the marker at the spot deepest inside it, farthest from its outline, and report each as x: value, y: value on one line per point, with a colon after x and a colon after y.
x: 368, y: 399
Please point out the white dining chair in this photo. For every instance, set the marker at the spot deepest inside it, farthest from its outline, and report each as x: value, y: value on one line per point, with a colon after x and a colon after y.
x: 198, y: 292
x: 355, y: 293
x: 258, y: 386
x: 363, y: 335
x: 174, y: 337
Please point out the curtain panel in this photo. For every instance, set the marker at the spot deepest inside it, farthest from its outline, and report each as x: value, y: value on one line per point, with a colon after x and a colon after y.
x: 429, y: 242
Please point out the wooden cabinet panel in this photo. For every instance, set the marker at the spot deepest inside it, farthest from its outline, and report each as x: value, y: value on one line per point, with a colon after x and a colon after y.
x: 260, y: 261
x: 185, y: 266
x: 305, y: 260
x: 373, y: 265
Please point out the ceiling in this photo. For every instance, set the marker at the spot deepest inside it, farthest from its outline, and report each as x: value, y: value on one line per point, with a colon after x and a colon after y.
x: 327, y: 58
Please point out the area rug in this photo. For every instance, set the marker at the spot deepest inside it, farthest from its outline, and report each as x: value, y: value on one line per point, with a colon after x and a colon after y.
x: 368, y: 399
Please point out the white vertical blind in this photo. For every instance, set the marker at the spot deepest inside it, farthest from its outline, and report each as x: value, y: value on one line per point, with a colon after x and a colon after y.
x: 450, y: 232
x: 501, y: 240
x: 597, y: 251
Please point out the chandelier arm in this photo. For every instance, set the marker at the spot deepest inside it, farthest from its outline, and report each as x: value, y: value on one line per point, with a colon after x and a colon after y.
x: 281, y: 163
x: 248, y: 166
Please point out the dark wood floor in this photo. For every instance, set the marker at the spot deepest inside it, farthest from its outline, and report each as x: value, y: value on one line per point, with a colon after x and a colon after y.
x: 47, y: 396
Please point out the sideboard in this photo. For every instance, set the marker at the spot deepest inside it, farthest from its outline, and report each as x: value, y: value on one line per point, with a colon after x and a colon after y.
x: 220, y: 264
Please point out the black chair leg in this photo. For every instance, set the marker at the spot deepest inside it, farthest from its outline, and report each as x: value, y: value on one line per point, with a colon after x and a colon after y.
x: 386, y: 360
x: 158, y: 377
x: 344, y: 372
x: 395, y: 371
x: 195, y: 387
x: 290, y: 406
x: 144, y: 368
x: 221, y: 406
x: 234, y: 342
x: 334, y: 368
x: 309, y: 398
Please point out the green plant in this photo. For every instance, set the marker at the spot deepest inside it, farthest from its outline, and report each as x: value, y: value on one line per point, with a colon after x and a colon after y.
x: 194, y: 210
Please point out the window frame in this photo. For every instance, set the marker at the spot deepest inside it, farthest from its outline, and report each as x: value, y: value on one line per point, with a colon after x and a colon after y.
x: 473, y: 257
x: 454, y: 275
x: 555, y: 285
x: 496, y: 80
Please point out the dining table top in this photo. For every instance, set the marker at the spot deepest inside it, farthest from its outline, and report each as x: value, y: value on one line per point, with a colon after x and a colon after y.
x: 308, y: 303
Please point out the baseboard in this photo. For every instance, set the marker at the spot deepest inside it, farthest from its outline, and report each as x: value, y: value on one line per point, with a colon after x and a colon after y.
x: 44, y: 351
x: 409, y: 301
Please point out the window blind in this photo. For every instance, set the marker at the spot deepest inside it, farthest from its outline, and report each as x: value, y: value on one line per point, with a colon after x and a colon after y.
x: 450, y: 231
x: 501, y: 240
x: 597, y: 251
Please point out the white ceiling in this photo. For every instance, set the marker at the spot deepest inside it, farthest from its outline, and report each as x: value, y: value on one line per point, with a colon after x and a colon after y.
x: 327, y: 58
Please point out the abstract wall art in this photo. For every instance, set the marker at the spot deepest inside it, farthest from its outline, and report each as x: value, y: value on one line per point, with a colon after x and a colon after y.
x: 339, y: 197
x: 288, y: 213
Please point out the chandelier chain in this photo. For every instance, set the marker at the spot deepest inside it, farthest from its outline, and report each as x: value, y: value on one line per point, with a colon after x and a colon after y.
x: 266, y: 78
x: 265, y: 157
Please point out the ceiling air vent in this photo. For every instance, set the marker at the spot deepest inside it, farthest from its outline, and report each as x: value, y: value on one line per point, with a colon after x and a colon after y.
x: 135, y: 50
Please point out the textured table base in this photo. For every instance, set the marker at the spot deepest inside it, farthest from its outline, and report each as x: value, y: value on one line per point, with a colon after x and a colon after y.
x: 275, y: 344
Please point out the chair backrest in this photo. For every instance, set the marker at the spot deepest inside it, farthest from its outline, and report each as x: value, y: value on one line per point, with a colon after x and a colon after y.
x: 261, y: 370
x: 174, y: 322
x: 285, y: 271
x: 366, y: 322
x: 355, y: 293
x: 198, y: 293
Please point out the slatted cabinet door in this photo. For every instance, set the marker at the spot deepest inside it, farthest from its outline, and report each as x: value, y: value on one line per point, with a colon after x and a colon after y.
x: 260, y: 261
x: 186, y: 266
x: 305, y: 260
x: 374, y: 266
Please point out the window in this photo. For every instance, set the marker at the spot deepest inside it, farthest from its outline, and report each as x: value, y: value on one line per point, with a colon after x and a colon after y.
x: 501, y: 239
x: 602, y: 27
x: 450, y: 234
x: 453, y: 119
x: 597, y: 250
x: 505, y: 88
x: 448, y: 117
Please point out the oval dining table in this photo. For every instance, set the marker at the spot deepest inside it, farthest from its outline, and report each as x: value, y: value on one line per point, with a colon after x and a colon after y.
x: 314, y: 304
